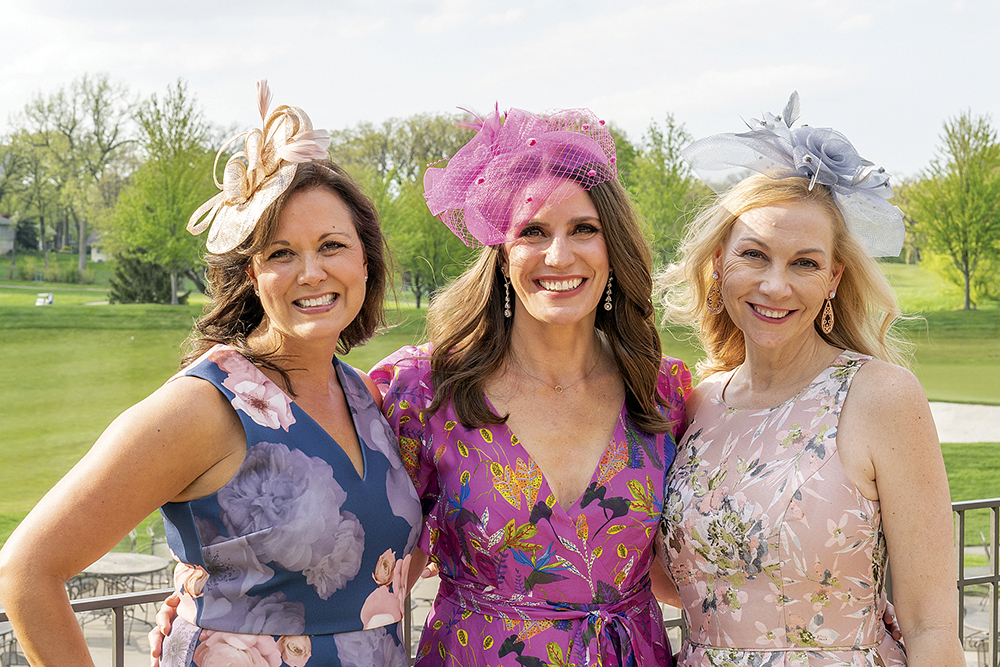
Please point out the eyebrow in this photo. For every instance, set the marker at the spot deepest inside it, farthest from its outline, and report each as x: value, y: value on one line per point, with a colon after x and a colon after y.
x: 323, y: 237
x: 572, y: 221
x: 762, y: 244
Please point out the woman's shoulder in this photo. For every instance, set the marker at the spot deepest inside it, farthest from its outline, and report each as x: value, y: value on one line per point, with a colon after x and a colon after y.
x: 226, y: 358
x: 674, y: 377
x: 881, y: 383
x: 409, y: 365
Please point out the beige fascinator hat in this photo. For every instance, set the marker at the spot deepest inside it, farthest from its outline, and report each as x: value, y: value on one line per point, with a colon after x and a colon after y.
x: 257, y: 175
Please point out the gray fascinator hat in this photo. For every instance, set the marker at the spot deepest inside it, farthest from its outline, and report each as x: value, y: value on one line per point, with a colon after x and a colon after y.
x: 860, y: 189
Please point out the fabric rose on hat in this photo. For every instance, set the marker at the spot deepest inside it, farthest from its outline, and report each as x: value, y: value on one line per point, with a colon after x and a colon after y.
x: 824, y: 156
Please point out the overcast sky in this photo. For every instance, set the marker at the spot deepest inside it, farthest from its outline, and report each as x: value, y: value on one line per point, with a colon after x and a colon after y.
x: 886, y: 73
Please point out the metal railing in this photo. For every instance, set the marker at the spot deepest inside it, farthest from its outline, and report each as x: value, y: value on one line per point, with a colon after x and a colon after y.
x: 117, y: 605
x: 973, y: 582
x: 978, y: 580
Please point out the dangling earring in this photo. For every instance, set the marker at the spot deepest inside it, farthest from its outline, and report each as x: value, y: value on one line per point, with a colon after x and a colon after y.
x: 826, y: 323
x: 714, y: 299
x: 506, y: 297
x: 607, y: 298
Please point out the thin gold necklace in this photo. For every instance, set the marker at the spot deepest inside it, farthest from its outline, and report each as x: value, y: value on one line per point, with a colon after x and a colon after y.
x: 558, y: 387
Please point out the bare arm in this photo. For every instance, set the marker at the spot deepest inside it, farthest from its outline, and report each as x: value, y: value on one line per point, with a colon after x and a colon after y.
x: 372, y: 387
x: 163, y: 448
x: 663, y: 586
x: 887, y: 412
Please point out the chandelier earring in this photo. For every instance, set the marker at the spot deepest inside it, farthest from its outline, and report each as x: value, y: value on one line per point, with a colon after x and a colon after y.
x: 607, y: 297
x: 826, y: 323
x: 714, y: 298
x: 506, y: 297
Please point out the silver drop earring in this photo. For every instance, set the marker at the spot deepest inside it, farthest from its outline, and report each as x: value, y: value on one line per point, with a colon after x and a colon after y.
x: 506, y: 297
x: 607, y: 298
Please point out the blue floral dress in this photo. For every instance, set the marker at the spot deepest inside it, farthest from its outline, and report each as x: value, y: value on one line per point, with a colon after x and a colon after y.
x: 524, y: 580
x: 296, y: 560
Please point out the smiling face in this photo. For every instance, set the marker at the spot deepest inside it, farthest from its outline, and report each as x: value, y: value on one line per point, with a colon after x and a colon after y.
x: 558, y: 263
x: 311, y: 277
x: 776, y: 269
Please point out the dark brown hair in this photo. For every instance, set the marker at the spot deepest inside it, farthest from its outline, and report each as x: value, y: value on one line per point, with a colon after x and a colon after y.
x: 472, y: 337
x: 235, y: 311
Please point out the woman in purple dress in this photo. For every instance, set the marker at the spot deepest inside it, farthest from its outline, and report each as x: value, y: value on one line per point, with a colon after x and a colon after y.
x: 539, y: 422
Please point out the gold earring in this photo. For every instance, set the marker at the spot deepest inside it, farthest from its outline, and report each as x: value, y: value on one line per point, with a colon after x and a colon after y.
x: 714, y: 299
x: 826, y: 323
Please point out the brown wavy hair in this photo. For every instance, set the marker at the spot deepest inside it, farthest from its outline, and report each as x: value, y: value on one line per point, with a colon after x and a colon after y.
x: 235, y: 311
x: 865, y: 307
x: 471, y: 337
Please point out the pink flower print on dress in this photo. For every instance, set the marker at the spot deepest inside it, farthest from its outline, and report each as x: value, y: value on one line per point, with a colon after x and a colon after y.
x: 295, y: 651
x: 228, y: 360
x: 383, y: 569
x: 222, y: 649
x: 769, y: 637
x: 384, y: 606
x: 836, y: 531
x: 263, y: 401
x: 190, y: 584
x: 194, y: 582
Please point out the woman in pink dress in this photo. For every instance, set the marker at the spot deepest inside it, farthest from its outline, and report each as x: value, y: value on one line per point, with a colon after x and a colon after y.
x: 540, y: 421
x: 811, y: 457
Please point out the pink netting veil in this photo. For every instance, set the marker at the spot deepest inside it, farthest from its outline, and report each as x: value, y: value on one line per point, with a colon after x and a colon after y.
x: 486, y: 184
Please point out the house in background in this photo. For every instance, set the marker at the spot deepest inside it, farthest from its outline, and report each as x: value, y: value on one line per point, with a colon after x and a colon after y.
x: 97, y: 253
x: 6, y: 235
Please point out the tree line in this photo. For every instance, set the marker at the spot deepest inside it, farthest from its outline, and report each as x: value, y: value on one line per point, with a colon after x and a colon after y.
x: 92, y: 163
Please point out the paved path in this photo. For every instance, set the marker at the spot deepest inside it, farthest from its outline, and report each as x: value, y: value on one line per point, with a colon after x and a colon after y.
x: 959, y: 422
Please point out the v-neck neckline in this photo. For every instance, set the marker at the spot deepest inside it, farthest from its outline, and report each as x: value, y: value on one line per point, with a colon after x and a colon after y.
x: 338, y: 450
x: 619, y: 424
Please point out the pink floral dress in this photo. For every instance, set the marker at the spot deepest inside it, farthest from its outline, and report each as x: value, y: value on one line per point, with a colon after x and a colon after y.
x: 525, y: 581
x: 297, y: 560
x: 778, y: 558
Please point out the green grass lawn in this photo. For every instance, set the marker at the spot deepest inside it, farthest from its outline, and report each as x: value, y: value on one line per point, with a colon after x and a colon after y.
x: 973, y: 474
x: 68, y: 369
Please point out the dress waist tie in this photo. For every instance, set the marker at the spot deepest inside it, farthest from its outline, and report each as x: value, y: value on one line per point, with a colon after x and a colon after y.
x: 612, y: 632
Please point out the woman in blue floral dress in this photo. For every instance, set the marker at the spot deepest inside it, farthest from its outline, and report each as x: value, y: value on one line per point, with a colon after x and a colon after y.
x: 539, y: 425
x: 285, y: 499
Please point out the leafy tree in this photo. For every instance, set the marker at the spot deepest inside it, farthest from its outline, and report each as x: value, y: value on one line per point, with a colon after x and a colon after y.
x: 625, y: 153
x: 957, y: 204
x: 914, y: 241
x: 26, y: 235
x: 11, y: 165
x: 140, y: 281
x: 152, y: 212
x: 36, y: 196
x: 426, y: 250
x: 85, y: 130
x: 389, y: 160
x: 662, y: 184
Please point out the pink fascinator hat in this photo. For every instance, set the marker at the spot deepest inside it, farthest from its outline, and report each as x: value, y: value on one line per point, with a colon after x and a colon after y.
x: 484, y: 185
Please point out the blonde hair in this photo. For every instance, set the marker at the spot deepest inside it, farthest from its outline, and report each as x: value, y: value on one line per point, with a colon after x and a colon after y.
x: 472, y: 337
x: 865, y: 307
